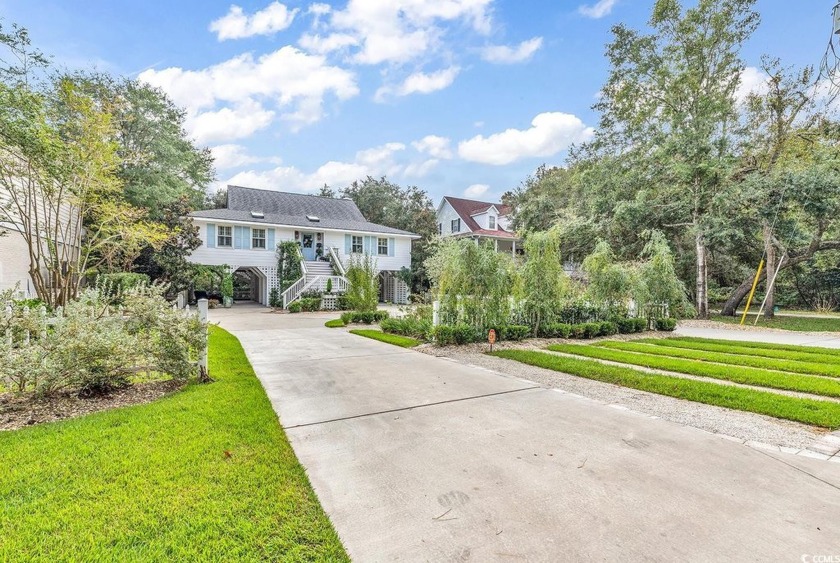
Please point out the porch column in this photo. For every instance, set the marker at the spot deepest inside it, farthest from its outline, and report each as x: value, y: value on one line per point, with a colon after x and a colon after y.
x: 496, y: 243
x: 513, y: 251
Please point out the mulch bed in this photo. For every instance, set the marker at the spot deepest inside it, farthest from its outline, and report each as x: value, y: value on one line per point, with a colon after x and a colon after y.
x: 18, y: 412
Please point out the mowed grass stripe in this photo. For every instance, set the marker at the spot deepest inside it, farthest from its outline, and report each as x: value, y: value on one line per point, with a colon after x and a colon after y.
x: 716, y: 346
x: 395, y: 339
x: 795, y: 366
x: 807, y: 411
x: 830, y: 352
x: 744, y: 375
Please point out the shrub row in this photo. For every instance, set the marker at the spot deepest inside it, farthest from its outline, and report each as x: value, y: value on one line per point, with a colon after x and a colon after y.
x: 365, y: 317
x: 305, y: 304
x: 408, y: 326
x: 98, y: 343
x: 446, y: 335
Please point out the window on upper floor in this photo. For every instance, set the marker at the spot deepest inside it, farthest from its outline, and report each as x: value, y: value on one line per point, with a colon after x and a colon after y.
x: 258, y: 238
x: 491, y: 222
x: 224, y: 236
x: 382, y: 247
x: 358, y: 245
x: 455, y: 226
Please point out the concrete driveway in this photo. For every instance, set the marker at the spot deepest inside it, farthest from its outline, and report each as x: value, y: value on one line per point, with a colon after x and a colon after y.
x: 417, y: 458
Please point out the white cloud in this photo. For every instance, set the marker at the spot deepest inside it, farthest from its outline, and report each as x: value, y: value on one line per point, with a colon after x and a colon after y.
x: 398, y: 31
x: 504, y: 54
x: 420, y: 169
x: 598, y: 10
x: 238, y: 25
x: 231, y: 156
x: 753, y: 81
x: 323, y: 45
x: 292, y: 81
x: 549, y: 134
x: 476, y: 190
x: 226, y: 123
x: 375, y: 161
x: 420, y: 83
x: 434, y: 145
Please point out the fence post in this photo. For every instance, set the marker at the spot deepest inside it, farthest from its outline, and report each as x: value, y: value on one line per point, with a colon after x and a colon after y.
x: 202, y: 360
x: 435, y: 313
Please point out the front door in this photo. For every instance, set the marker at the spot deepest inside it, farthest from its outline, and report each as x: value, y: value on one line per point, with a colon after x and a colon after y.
x: 308, y: 245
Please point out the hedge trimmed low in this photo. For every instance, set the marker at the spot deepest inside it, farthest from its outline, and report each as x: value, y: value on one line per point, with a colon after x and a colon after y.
x: 363, y: 317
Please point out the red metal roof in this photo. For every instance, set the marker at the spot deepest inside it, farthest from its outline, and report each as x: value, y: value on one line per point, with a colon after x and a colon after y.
x: 466, y: 208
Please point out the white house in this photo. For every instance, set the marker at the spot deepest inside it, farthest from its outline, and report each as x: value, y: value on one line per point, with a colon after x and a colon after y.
x: 244, y: 236
x: 55, y: 230
x: 481, y: 220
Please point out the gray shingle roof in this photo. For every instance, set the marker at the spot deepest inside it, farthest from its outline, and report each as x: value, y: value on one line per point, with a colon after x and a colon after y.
x: 282, y: 208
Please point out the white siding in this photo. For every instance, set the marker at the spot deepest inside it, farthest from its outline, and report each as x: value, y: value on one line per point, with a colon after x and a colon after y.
x: 14, y: 264
x: 400, y: 259
x: 236, y: 257
x: 503, y: 222
x: 446, y: 214
x: 268, y: 258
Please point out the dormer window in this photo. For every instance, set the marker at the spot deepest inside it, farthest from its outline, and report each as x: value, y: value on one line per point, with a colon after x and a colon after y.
x: 257, y: 214
x: 491, y: 221
x: 313, y: 218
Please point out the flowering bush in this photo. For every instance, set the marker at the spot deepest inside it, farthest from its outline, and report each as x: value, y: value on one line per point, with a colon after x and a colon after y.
x: 94, y: 345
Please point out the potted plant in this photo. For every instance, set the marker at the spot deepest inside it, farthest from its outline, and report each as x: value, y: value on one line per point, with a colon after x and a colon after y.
x: 227, y: 290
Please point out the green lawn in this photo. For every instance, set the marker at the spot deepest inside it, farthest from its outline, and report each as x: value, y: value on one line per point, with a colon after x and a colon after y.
x: 814, y: 367
x: 204, y: 474
x: 802, y: 324
x: 809, y: 411
x: 823, y: 356
x: 335, y: 323
x: 395, y: 339
x: 737, y: 374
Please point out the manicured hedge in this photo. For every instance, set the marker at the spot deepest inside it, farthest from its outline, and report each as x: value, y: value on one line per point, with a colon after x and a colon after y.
x: 363, y: 317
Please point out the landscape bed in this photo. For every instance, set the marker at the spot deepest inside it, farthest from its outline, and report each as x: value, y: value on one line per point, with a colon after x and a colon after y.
x: 203, y: 474
x: 824, y: 414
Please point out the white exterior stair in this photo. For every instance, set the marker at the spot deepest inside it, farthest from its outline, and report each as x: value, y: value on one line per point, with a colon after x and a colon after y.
x: 315, y: 279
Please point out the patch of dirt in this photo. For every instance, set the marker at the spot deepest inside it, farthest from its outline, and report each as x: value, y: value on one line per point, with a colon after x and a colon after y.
x: 18, y: 412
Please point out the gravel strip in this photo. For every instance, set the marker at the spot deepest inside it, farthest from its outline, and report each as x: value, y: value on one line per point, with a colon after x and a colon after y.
x: 741, y: 425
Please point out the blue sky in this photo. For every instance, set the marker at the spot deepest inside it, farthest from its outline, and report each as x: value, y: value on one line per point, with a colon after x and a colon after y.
x: 459, y: 97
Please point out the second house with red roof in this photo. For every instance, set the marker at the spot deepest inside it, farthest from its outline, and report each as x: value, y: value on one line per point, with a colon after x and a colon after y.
x: 480, y: 220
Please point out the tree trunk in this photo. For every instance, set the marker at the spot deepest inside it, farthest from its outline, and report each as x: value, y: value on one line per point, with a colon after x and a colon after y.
x: 738, y: 295
x: 702, y: 280
x: 769, y: 271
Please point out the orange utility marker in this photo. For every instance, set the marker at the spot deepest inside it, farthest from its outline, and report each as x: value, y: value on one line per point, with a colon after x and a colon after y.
x: 752, y: 291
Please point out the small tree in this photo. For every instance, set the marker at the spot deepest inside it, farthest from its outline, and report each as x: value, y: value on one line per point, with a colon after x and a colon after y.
x: 363, y: 292
x: 610, y: 282
x: 473, y: 282
x: 544, y: 282
x: 659, y: 281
